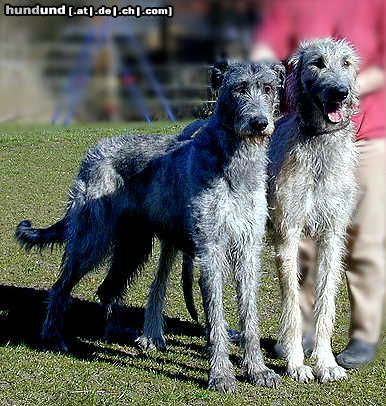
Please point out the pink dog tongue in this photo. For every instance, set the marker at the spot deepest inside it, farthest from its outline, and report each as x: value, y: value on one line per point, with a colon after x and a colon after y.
x: 335, y: 116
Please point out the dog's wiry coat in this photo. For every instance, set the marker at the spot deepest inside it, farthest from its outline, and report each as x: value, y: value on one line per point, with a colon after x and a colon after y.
x: 312, y: 191
x: 205, y: 197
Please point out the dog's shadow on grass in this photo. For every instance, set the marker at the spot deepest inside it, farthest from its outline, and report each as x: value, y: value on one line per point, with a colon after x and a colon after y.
x: 22, y: 311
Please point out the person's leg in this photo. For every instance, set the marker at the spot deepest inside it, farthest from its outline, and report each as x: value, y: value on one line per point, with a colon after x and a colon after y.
x: 366, y: 260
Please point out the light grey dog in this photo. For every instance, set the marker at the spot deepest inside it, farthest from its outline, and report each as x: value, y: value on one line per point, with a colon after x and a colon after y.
x: 312, y: 191
x: 205, y: 197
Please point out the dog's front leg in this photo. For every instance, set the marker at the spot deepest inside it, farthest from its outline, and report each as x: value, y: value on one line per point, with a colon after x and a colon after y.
x: 290, y: 335
x: 247, y: 280
x: 329, y: 267
x: 221, y: 373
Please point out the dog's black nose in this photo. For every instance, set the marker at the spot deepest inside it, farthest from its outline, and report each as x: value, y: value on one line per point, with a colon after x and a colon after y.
x: 338, y: 93
x: 258, y: 123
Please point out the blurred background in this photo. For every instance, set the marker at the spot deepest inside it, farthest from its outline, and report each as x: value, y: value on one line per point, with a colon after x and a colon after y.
x: 59, y: 69
x: 90, y: 70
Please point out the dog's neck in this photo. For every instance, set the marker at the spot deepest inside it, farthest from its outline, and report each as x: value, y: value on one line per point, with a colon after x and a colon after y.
x: 243, y: 162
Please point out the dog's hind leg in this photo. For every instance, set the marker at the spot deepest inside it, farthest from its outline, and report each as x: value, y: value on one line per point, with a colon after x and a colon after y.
x: 76, y: 263
x: 290, y: 335
x: 88, y: 238
x: 247, y: 279
x: 331, y: 248
x: 129, y: 253
x: 153, y: 334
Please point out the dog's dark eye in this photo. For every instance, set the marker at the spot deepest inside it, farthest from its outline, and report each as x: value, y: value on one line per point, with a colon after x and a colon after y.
x: 319, y: 63
x: 267, y: 89
x: 346, y: 63
x: 241, y: 88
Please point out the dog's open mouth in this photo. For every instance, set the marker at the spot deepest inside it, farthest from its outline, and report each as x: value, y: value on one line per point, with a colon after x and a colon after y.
x: 333, y: 111
x: 255, y: 137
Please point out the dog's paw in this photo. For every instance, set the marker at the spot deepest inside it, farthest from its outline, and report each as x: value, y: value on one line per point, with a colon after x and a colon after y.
x: 225, y: 383
x: 302, y: 374
x: 330, y: 374
x: 118, y: 334
x: 234, y: 336
x: 151, y: 343
x: 53, y: 344
x: 266, y: 377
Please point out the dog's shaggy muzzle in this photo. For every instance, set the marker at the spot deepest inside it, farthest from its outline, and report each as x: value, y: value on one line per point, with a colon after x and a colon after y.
x: 331, y: 101
x: 256, y: 129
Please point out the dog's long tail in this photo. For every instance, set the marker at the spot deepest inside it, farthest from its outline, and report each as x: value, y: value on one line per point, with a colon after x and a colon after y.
x: 187, y: 286
x: 41, y: 238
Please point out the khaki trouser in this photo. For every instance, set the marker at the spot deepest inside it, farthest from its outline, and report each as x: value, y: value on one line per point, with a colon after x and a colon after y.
x: 365, y: 271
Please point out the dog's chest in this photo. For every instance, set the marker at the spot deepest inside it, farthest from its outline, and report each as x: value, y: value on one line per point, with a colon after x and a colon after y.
x: 233, y: 211
x: 315, y: 188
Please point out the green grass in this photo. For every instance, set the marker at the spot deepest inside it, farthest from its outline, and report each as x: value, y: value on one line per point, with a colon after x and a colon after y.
x: 37, y: 165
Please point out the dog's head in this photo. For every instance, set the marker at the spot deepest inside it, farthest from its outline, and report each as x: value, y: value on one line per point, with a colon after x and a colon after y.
x: 249, y: 97
x: 323, y: 72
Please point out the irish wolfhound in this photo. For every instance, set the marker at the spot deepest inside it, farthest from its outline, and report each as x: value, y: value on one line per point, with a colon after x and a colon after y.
x: 205, y: 197
x: 312, y: 191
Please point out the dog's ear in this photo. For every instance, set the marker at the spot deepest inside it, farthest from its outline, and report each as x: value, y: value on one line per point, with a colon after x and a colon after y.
x: 217, y: 74
x: 293, y: 62
x: 280, y: 71
x: 291, y: 84
x: 279, y: 68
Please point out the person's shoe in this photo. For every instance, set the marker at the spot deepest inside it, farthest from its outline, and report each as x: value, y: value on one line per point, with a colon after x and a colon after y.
x: 357, y: 354
x: 307, y: 343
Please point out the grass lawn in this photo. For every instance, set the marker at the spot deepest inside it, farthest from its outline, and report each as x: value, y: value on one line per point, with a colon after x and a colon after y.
x: 37, y: 166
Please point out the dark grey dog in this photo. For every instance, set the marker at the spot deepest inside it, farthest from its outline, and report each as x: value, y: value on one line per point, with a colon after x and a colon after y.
x: 205, y: 197
x: 312, y: 191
